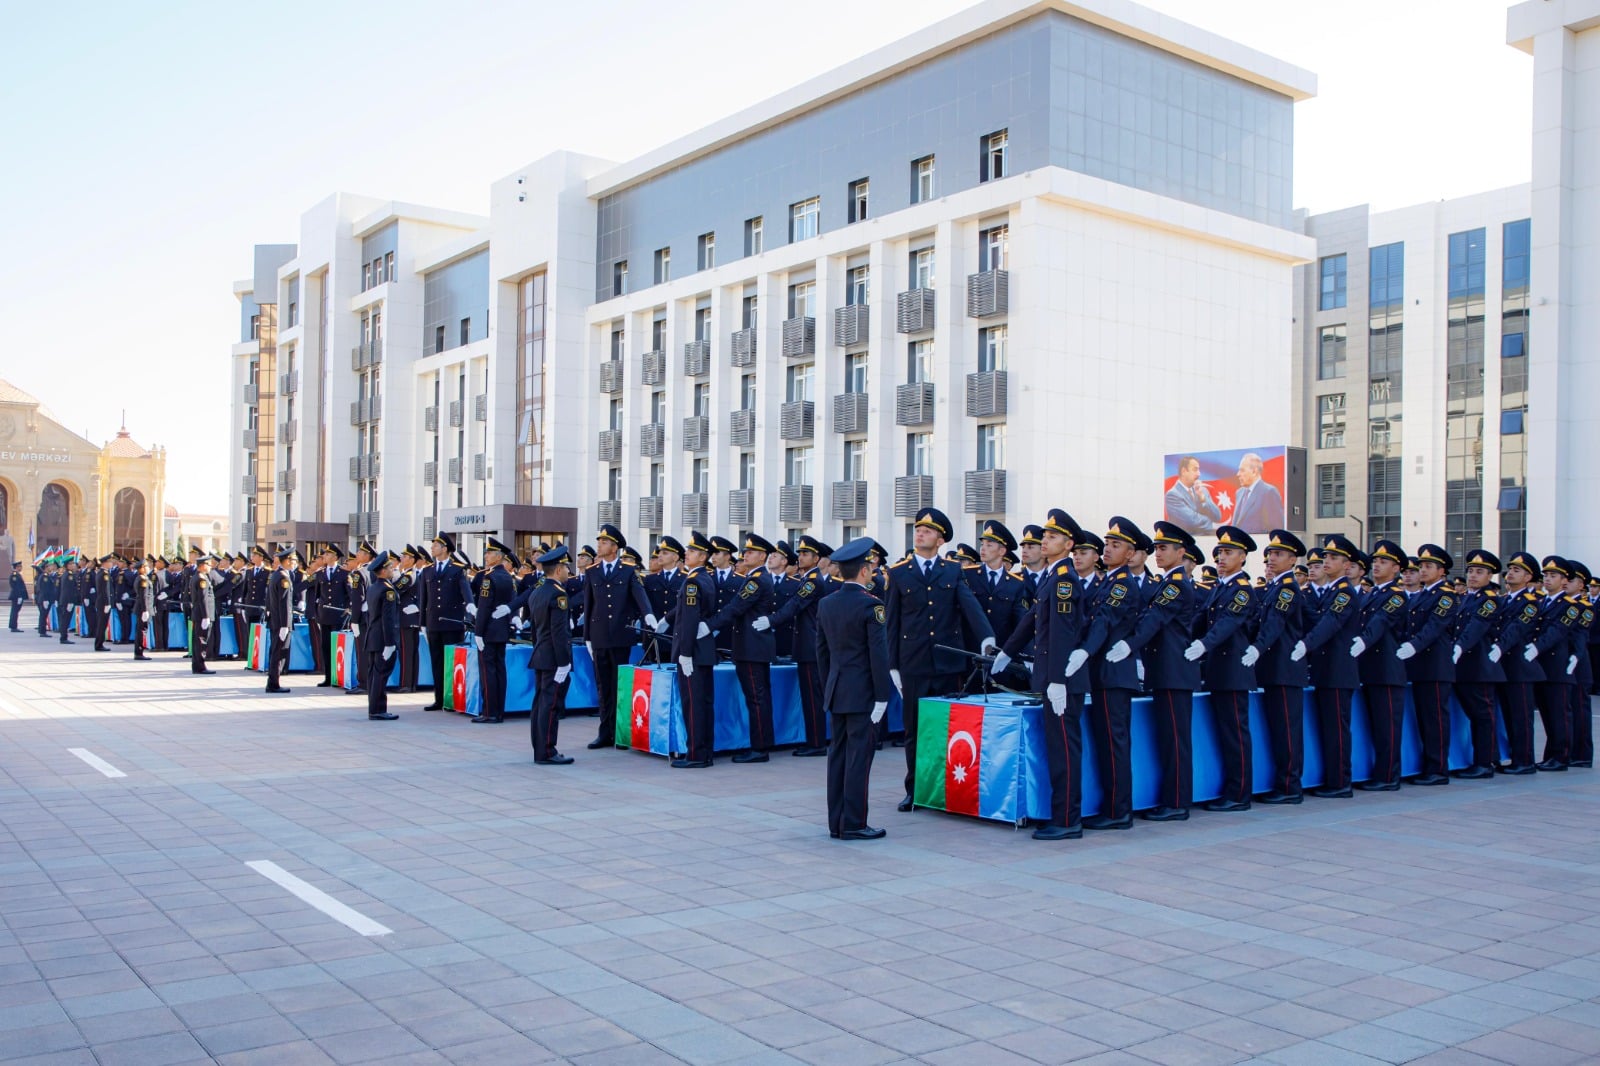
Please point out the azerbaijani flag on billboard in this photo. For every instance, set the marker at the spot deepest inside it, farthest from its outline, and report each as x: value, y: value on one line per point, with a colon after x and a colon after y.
x: 644, y: 709
x: 461, y: 668
x: 966, y: 765
x: 256, y: 656
x: 342, y: 646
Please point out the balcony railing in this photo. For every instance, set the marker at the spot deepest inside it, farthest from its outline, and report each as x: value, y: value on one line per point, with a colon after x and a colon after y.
x: 849, y: 501
x: 454, y: 471
x: 252, y: 393
x: 850, y: 412
x: 457, y: 415
x: 287, y: 480
x: 249, y: 439
x: 696, y: 433
x: 741, y: 507
x: 430, y: 529
x: 608, y: 512
x: 986, y: 491
x: 289, y: 430
x: 366, y: 354
x: 850, y: 325
x: 913, y: 311
x: 652, y: 440
x: 610, y: 445
x: 912, y: 494
x: 480, y: 467
x: 430, y: 475
x: 480, y: 408
x: 654, y: 368
x: 363, y: 467
x: 696, y: 358
x: 794, y: 505
x: 696, y: 508
x: 988, y: 293
x: 797, y: 420
x: 288, y: 382
x: 799, y: 337
x: 430, y: 419
x: 744, y: 347
x: 611, y: 376
x: 913, y: 404
x: 650, y: 513
x: 364, y: 411
x: 248, y: 485
x: 741, y: 428
x: 986, y: 393
x: 247, y: 532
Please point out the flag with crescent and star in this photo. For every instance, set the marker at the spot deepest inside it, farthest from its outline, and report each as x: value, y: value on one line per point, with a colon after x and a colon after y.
x: 258, y: 651
x: 973, y: 758
x: 462, y: 693
x: 644, y: 709
x: 343, y: 650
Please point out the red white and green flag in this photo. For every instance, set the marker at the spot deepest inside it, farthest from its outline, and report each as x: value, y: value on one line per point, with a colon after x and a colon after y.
x: 644, y: 709
x: 970, y: 762
x: 342, y: 646
x: 462, y: 694
x: 259, y: 649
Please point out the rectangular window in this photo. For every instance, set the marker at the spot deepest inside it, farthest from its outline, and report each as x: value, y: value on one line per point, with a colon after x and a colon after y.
x: 753, y: 243
x: 702, y: 399
x: 658, y: 407
x: 658, y: 335
x: 992, y: 349
x: 919, y: 362
x: 663, y: 265
x: 993, y: 245
x: 858, y: 286
x: 1513, y: 346
x: 804, y: 219
x: 702, y: 324
x: 366, y: 276
x: 919, y: 454
x: 614, y: 483
x: 751, y: 312
x: 619, y: 277
x: 1514, y: 270
x: 1332, y: 271
x: 615, y: 415
x: 1330, y: 491
x: 747, y: 470
x: 388, y: 266
x: 1330, y: 420
x: 1466, y: 263
x: 1331, y: 353
x: 747, y: 392
x: 922, y: 268
x: 657, y: 480
x: 799, y: 382
x: 855, y: 372
x: 803, y: 300
x: 1510, y: 422
x: 858, y: 201
x: 1386, y: 277
x: 616, y: 343
x: 706, y: 251
x: 922, y: 179
x: 700, y: 477
x: 797, y: 466
x: 466, y: 330
x: 1511, y: 498
x: 992, y: 166
x: 992, y: 447
x: 855, y: 460
x: 438, y: 338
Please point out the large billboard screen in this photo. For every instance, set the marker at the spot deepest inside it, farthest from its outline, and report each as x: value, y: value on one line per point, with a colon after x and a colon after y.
x: 1243, y: 487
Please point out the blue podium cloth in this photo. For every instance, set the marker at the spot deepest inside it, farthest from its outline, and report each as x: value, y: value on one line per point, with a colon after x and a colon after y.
x: 522, y: 683
x: 177, y: 630
x: 353, y: 677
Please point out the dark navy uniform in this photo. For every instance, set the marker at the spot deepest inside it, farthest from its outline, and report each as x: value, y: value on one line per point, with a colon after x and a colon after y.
x: 202, y: 612
x: 408, y: 590
x: 753, y: 651
x: 853, y: 656
x: 18, y: 595
x: 799, y: 615
x: 1159, y: 638
x: 1581, y: 680
x: 443, y: 593
x: 380, y: 640
x: 333, y: 614
x: 1478, y: 670
x: 69, y: 597
x: 1555, y: 633
x: 1334, y: 672
x: 496, y: 589
x: 1515, y: 626
x: 1225, y: 632
x: 551, y: 617
x: 279, y: 605
x: 1003, y: 597
x: 697, y: 598
x: 144, y: 613
x: 611, y: 592
x: 1431, y: 625
x: 1385, y: 619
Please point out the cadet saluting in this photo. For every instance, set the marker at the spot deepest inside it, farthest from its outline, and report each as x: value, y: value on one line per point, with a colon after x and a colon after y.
x: 801, y: 610
x: 853, y: 656
x: 492, y: 627
x: 552, y: 654
x: 694, y: 647
x: 381, y: 637
x: 278, y: 600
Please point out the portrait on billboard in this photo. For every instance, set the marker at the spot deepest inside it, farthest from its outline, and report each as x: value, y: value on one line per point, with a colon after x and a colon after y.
x: 1243, y: 488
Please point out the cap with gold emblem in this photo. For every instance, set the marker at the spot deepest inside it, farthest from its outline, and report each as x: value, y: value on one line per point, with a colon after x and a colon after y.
x: 723, y: 544
x: 962, y: 553
x: 1486, y: 559
x: 444, y: 539
x: 699, y: 542
x: 1556, y: 564
x: 1172, y: 533
x: 1085, y: 539
x: 1059, y: 521
x: 1032, y: 535
x: 1120, y: 528
x: 1338, y: 544
x: 1284, y: 541
x: 669, y: 544
x: 558, y: 554
x: 997, y: 532
x: 935, y: 520
x: 492, y: 545
x: 811, y: 544
x: 1388, y: 549
x: 1234, y: 537
x: 1432, y: 553
x: 631, y: 555
x: 613, y: 534
x: 755, y: 542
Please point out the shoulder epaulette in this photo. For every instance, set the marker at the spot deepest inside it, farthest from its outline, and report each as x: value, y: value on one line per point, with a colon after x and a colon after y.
x: 970, y: 566
x: 1062, y: 570
x: 902, y: 562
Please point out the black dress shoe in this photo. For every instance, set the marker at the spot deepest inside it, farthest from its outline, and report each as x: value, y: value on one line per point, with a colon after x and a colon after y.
x: 1281, y: 797
x: 384, y: 717
x: 1552, y: 766
x: 1059, y: 832
x: 280, y: 691
x: 1225, y: 806
x: 324, y: 684
x: 1379, y: 786
x: 1472, y: 773
x: 487, y: 719
x: 898, y: 742
x: 1583, y: 764
x: 834, y: 833
x: 204, y: 671
x: 141, y: 658
x: 692, y: 764
x: 1511, y: 770
x: 1165, y: 814
x: 1105, y: 821
x: 1328, y: 792
x: 1430, y: 780
x: 866, y: 832
x: 557, y: 759
x: 434, y: 707
x: 595, y: 745
x: 808, y: 753
x: 69, y: 642
x: 751, y: 756
x: 905, y: 805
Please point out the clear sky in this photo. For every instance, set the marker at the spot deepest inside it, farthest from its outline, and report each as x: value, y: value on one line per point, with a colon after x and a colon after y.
x: 149, y: 146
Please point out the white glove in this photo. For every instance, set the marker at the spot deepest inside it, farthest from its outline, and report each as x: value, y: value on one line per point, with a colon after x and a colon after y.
x: 205, y: 623
x: 988, y: 647
x: 1357, y: 646
x: 661, y: 626
x: 355, y: 629
x: 1138, y: 666
x: 283, y: 633
x: 686, y: 665
x: 588, y: 647
x: 703, y: 632
x: 1405, y: 651
x: 894, y: 675
x: 1455, y: 654
x: 762, y: 624
x: 878, y: 711
x: 1299, y: 651
x: 1572, y: 663
x: 1057, y: 695
x: 388, y: 653
x: 650, y: 621
x: 162, y: 596
x: 1075, y: 662
x: 1118, y: 652
x: 1530, y: 652
x: 562, y: 672
x: 472, y: 610
x: 145, y: 617
x: 409, y: 608
x: 1494, y: 653
x: 107, y: 609
x: 501, y: 611
x: 302, y: 605
x: 1194, y: 650
x: 1001, y: 661
x: 479, y: 642
x: 1251, y: 654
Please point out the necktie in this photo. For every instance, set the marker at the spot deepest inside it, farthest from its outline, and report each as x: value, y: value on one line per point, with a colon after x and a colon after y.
x: 994, y: 579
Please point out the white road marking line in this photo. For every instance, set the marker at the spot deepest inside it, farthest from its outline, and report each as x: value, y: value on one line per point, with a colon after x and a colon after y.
x: 11, y: 708
x: 97, y: 762
x: 319, y: 899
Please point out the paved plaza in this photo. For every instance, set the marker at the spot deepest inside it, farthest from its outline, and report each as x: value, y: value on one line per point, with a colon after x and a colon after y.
x: 618, y: 911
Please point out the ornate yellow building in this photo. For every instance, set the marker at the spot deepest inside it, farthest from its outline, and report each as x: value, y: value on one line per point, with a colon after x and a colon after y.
x: 59, y: 489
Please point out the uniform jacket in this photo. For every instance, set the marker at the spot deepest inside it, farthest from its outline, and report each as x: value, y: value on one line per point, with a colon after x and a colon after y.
x: 1336, y: 625
x: 662, y: 590
x: 279, y: 602
x: 1280, y: 625
x: 1385, y: 620
x: 202, y: 601
x: 1163, y: 632
x: 697, y: 600
x: 1432, y: 622
x: 922, y: 612
x: 1226, y: 634
x: 800, y: 612
x: 19, y: 589
x: 1475, y: 634
x: 1055, y: 629
x: 611, y: 604
x: 1004, y: 604
x: 551, y: 614
x: 383, y: 619
x: 494, y: 587
x: 443, y: 593
x: 852, y: 650
x: 754, y: 599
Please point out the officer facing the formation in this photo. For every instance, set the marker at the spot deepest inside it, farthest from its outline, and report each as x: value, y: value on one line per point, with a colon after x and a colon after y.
x: 1429, y: 655
x: 749, y: 614
x: 445, y: 599
x: 492, y: 629
x: 202, y: 611
x: 18, y: 596
x: 694, y: 648
x: 800, y: 611
x: 853, y: 658
x: 928, y: 601
x: 611, y: 588
x: 279, y: 620
x: 551, y: 616
x: 381, y: 637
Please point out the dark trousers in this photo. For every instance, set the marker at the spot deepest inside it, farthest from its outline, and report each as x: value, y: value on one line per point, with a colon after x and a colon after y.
x: 1333, y: 726
x: 277, y: 659
x: 44, y: 621
x: 606, y: 661
x: 99, y: 622
x: 755, y: 681
x: 1432, y: 700
x: 1386, y: 712
x: 1231, y: 709
x: 1552, y: 699
x: 408, y: 658
x: 141, y: 636
x: 66, y: 621
x: 198, y: 640
x: 850, y: 752
x: 914, y: 688
x: 16, y: 615
x: 1582, y: 719
x: 1516, y: 704
x: 1286, y: 728
x: 1172, y: 710
x: 127, y: 615
x: 241, y: 630
x: 811, y: 706
x: 698, y: 695
x: 157, y: 629
x: 544, y: 722
x: 1477, y: 700
x: 437, y: 639
x: 375, y: 672
x: 1112, y: 708
x: 319, y: 649
x: 492, y: 676
x: 1063, y: 754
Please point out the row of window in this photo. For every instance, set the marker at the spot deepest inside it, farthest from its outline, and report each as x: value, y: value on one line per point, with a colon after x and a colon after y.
x: 377, y: 272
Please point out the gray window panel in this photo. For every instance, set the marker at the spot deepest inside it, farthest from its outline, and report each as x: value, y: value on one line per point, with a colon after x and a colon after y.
x: 379, y: 244
x: 452, y: 293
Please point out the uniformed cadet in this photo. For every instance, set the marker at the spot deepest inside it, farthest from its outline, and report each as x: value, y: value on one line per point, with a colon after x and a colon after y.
x: 202, y: 611
x: 313, y: 588
x: 694, y: 648
x: 784, y: 586
x: 1428, y: 653
x: 748, y: 613
x: 1223, y: 637
x: 144, y: 610
x: 249, y: 600
x: 1114, y: 674
x: 356, y: 578
x: 551, y: 661
x: 613, y: 592
x: 1159, y: 639
x: 1554, y: 634
x: 927, y: 603
x: 409, y: 589
x: 380, y: 640
x: 18, y: 595
x: 1055, y: 631
x: 1478, y: 669
x: 1087, y: 551
x: 853, y: 657
x: 1002, y: 595
x: 728, y: 585
x: 1384, y: 621
x: 279, y: 619
x: 878, y: 560
x: 1516, y: 628
x: 103, y: 594
x: 69, y: 599
x: 1330, y: 641
x: 1033, y: 564
x: 1582, y: 678
x: 799, y: 614
x: 1279, y: 626
x: 662, y: 586
x: 127, y: 579
x: 445, y: 601
x: 495, y: 588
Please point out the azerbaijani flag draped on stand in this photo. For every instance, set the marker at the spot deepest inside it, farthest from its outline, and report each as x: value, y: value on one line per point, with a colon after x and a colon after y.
x: 969, y: 761
x: 256, y: 656
x: 644, y: 709
x: 461, y: 667
x: 342, y: 646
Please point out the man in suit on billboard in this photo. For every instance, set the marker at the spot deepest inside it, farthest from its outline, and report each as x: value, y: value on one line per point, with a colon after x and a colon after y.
x: 1259, y: 505
x: 1189, y: 503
